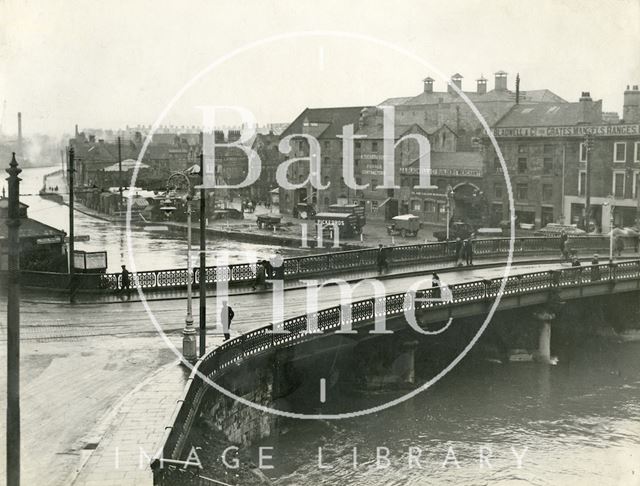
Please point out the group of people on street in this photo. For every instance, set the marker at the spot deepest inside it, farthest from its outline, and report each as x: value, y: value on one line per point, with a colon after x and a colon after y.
x: 264, y: 271
x: 464, y: 251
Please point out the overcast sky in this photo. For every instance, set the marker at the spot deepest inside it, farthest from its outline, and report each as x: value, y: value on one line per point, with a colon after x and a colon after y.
x: 116, y: 63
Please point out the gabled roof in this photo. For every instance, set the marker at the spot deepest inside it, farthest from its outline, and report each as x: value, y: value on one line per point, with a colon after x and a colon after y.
x: 330, y: 119
x: 544, y: 114
x: 395, y: 101
x: 30, y: 228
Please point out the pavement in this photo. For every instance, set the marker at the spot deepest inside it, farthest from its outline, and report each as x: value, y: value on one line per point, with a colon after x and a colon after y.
x: 82, y: 422
x: 112, y: 297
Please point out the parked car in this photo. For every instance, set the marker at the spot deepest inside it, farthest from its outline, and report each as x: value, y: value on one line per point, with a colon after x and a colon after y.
x: 347, y: 224
x: 556, y: 229
x: 404, y: 225
x: 228, y: 213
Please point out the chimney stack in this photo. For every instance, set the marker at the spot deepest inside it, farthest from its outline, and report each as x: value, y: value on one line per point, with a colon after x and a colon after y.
x: 631, y: 107
x: 457, y: 80
x: 428, y: 85
x: 482, y: 85
x: 19, y: 134
x: 500, y: 81
x: 590, y: 111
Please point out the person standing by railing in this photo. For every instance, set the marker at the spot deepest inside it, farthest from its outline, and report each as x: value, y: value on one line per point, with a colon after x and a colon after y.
x: 563, y: 245
x: 381, y: 259
x: 125, y: 286
x: 595, y: 269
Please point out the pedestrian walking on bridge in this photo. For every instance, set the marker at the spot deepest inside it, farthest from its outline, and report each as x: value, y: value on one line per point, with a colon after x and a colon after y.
x: 125, y: 282
x: 226, y: 316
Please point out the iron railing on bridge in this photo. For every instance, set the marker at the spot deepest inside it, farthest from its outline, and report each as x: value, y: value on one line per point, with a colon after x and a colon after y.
x: 326, y: 263
x: 363, y: 312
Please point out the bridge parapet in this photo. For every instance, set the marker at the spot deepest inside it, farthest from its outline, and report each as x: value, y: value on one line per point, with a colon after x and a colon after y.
x: 318, y: 265
x: 576, y: 282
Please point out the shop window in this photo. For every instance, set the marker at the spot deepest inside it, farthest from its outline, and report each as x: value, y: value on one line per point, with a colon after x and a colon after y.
x: 415, y: 205
x: 429, y: 206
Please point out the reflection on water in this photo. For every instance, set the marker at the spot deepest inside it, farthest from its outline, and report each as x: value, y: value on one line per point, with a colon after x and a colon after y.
x: 574, y: 424
x: 152, y: 250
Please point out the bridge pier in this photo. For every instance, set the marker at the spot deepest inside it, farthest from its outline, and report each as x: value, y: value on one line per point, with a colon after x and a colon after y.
x: 404, y: 368
x: 543, y: 354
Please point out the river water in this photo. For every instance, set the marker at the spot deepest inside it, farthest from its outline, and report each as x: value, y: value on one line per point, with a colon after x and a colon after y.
x: 152, y: 250
x: 573, y: 424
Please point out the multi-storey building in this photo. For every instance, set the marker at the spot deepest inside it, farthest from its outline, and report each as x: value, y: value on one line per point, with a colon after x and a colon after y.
x: 545, y: 147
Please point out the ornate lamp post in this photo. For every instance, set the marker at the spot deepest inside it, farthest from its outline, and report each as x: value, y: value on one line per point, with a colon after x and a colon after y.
x: 189, y: 332
x: 13, y: 327
x: 449, y: 191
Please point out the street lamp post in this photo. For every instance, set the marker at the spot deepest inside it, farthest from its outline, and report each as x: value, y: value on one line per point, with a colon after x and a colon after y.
x: 189, y: 332
x: 13, y: 327
x: 449, y: 191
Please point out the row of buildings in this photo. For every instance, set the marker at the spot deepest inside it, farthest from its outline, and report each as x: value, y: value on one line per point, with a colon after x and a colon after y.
x: 542, y: 137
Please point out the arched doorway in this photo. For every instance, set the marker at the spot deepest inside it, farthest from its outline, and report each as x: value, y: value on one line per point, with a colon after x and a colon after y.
x: 469, y: 203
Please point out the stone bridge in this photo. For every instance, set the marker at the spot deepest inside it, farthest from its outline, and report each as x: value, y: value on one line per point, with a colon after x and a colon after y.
x: 334, y: 263
x: 281, y: 370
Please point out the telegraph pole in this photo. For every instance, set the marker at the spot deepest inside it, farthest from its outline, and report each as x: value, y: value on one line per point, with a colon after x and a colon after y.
x: 13, y: 327
x: 120, y: 171
x: 203, y: 258
x: 71, y: 170
x: 588, y: 142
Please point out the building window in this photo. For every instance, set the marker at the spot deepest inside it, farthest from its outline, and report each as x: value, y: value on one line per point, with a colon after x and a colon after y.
x: 583, y: 152
x: 618, y: 184
x: 374, y: 184
x: 415, y: 205
x: 522, y: 149
x: 547, y: 166
x: 619, y: 152
x: 636, y: 151
x: 358, y: 181
x: 374, y: 146
x: 429, y: 206
x: 326, y: 160
x: 326, y: 144
x: 358, y: 145
x: 636, y: 184
x: 497, y: 191
x: 548, y: 148
x: 547, y: 192
x: 582, y: 182
x: 522, y: 165
x: 522, y: 192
